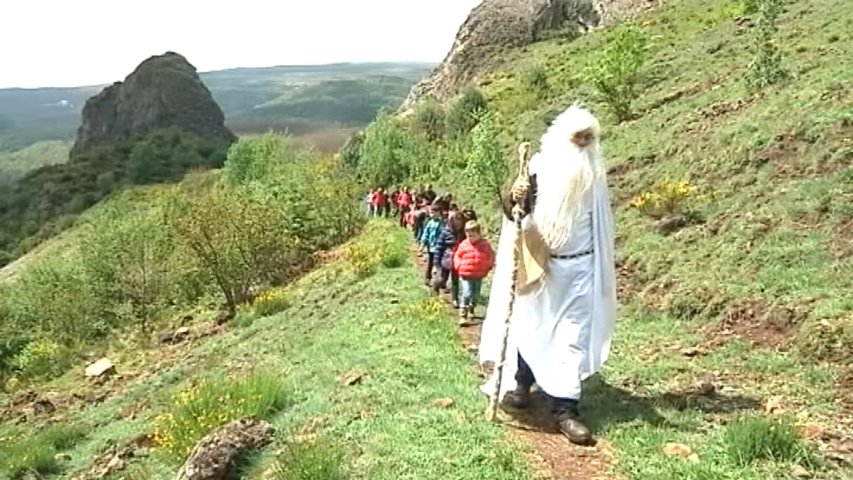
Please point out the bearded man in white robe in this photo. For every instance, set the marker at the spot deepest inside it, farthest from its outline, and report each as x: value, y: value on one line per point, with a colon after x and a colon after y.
x: 565, y: 307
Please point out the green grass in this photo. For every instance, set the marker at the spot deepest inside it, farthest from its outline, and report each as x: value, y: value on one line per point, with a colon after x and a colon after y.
x: 385, y: 424
x: 212, y: 403
x: 753, y: 438
x: 310, y: 461
x: 37, y: 454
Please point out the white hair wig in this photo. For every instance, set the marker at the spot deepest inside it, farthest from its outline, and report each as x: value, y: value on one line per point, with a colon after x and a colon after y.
x: 565, y: 173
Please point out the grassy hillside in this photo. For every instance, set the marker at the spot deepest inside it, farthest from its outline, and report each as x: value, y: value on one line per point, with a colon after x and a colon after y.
x: 742, y: 286
x: 31, y: 115
x: 14, y: 165
x: 363, y: 386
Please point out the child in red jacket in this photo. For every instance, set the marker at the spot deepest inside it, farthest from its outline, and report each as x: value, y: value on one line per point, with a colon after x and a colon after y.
x: 473, y: 260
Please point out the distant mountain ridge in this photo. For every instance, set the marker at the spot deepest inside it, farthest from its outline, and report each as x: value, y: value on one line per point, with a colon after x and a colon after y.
x: 31, y: 115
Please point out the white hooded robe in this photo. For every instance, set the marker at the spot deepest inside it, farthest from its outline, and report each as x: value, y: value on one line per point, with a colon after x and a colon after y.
x: 563, y: 328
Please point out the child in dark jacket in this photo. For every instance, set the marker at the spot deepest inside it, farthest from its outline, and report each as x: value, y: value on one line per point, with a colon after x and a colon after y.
x: 419, y: 219
x: 451, y: 236
x: 473, y: 260
x: 429, y: 240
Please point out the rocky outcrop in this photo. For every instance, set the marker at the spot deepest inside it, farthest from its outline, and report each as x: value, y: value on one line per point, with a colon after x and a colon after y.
x: 164, y: 91
x: 498, y: 24
x: 216, y: 456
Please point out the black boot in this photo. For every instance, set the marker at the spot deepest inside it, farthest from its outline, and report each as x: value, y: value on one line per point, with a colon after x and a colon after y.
x: 518, y: 398
x: 568, y: 419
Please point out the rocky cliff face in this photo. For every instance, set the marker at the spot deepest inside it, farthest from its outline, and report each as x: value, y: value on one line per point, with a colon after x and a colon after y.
x: 163, y: 92
x: 497, y: 24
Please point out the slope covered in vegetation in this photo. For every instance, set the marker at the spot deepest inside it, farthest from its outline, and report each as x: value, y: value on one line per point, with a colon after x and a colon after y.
x: 729, y: 151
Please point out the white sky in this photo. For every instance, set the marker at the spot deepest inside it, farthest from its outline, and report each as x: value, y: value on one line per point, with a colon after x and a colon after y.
x: 86, y: 42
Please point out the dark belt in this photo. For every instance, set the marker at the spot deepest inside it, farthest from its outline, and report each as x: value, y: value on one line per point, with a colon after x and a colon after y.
x: 569, y: 257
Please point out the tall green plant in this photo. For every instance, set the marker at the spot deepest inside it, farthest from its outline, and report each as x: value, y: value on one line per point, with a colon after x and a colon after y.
x: 618, y: 70
x: 486, y: 169
x: 128, y: 255
x: 235, y: 236
x: 429, y: 119
x: 388, y: 153
x: 766, y: 68
x: 464, y: 113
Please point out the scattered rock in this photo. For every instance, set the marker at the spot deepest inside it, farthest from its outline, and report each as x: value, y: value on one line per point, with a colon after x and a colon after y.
x: 224, y: 317
x: 810, y: 431
x: 62, y: 457
x: 677, y: 450
x: 773, y: 405
x: 800, y: 472
x: 43, y: 406
x: 443, y: 403
x: 692, y: 351
x: 216, y: 456
x: 707, y: 388
x: 101, y: 368
x: 352, y: 378
x: 176, y: 336
x: 670, y: 224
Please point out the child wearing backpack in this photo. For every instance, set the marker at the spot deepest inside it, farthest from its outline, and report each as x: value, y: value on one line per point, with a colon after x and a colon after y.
x: 429, y: 240
x: 450, y: 238
x: 473, y: 260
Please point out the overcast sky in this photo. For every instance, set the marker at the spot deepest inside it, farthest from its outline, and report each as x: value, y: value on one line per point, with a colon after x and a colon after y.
x: 87, y: 42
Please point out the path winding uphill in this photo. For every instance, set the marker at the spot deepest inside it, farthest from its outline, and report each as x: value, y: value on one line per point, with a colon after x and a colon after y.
x: 550, y: 453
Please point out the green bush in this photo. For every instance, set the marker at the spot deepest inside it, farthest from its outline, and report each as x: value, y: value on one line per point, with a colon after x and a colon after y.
x: 272, y: 301
x: 235, y: 236
x: 41, y: 358
x: 379, y: 245
x: 254, y: 159
x: 130, y: 256
x: 20, y: 458
x: 486, y: 168
x: 617, y: 71
x: 465, y: 112
x: 390, y: 154
x: 766, y: 68
x: 429, y: 119
x: 535, y: 81
x: 54, y: 298
x: 310, y: 461
x: 753, y: 437
x: 212, y: 403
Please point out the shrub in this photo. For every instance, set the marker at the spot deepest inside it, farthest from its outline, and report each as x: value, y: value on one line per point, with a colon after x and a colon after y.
x: 41, y: 358
x: 766, y: 69
x: 235, y: 236
x: 212, y: 403
x: 486, y: 169
x: 535, y: 81
x: 351, y: 151
x: 272, y: 301
x: 129, y: 254
x: 465, y: 112
x: 362, y: 259
x: 37, y: 454
x: 667, y: 198
x: 310, y: 461
x: 255, y: 159
x: 55, y: 298
x: 429, y: 119
x: 389, y: 154
x: 379, y: 244
x: 617, y: 71
x: 826, y: 340
x: 752, y: 437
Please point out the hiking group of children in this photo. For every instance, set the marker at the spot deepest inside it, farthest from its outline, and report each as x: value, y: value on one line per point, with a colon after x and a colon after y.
x: 458, y: 258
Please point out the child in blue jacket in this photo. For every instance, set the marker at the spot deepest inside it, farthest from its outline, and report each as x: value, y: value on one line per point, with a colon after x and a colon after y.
x: 429, y: 240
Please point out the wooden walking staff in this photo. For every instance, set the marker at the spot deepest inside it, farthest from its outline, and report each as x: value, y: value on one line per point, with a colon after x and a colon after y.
x: 523, y: 173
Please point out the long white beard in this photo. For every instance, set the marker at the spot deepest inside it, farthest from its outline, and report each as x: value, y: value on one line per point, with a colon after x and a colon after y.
x: 564, y: 177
